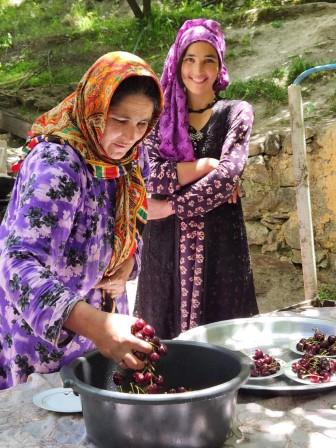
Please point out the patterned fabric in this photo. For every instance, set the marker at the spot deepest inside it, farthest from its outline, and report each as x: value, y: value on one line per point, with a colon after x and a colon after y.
x: 175, y: 142
x: 200, y: 272
x: 56, y: 242
x: 64, y: 227
x: 80, y: 121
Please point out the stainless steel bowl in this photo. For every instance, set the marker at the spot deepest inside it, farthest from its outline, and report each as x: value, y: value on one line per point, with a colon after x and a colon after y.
x: 275, y: 335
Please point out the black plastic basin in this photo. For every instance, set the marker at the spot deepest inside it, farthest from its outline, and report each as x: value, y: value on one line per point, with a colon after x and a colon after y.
x: 198, y: 419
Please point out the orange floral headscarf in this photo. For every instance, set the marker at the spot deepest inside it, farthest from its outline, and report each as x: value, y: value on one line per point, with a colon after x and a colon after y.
x: 80, y: 120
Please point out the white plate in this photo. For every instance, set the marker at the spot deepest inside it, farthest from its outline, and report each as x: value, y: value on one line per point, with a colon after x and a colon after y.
x: 278, y: 373
x: 292, y: 347
x: 293, y: 376
x: 59, y: 399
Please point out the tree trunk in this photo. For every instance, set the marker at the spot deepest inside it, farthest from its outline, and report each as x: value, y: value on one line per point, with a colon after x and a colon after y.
x: 137, y: 10
x: 146, y: 8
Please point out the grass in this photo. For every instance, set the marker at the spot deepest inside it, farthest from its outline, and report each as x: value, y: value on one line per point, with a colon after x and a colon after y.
x: 254, y: 89
x: 333, y: 103
x: 327, y: 293
x: 45, y: 44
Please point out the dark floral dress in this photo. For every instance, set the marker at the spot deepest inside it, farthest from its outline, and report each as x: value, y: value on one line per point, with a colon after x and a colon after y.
x: 55, y: 245
x: 195, y: 264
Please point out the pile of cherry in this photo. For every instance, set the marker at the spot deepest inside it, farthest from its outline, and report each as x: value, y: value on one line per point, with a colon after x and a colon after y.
x: 317, y: 369
x: 147, y: 380
x: 314, y: 364
x: 263, y: 364
x: 318, y: 344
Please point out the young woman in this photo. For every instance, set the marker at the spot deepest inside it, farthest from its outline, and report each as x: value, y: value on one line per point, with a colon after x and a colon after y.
x: 195, y: 263
x: 72, y: 230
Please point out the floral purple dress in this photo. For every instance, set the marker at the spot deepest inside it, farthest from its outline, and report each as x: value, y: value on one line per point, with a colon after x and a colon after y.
x: 56, y: 242
x: 195, y: 264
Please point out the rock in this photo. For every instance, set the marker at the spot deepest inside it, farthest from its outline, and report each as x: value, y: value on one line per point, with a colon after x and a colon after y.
x: 256, y: 233
x: 272, y: 144
x: 278, y: 283
x: 284, y: 170
x: 296, y: 256
x: 256, y: 171
x: 321, y: 257
x: 274, y: 221
x: 257, y: 145
x: 291, y: 232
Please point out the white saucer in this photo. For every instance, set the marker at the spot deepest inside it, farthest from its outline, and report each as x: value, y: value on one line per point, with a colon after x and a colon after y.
x: 292, y: 347
x: 267, y: 377
x: 293, y: 376
x: 59, y: 399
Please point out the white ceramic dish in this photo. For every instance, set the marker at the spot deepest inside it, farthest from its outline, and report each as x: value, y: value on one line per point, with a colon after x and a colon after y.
x: 278, y: 373
x: 59, y: 399
x: 292, y: 347
x: 293, y: 376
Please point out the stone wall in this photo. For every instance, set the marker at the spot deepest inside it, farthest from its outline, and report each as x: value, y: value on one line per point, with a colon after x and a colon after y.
x: 270, y: 212
x: 271, y: 217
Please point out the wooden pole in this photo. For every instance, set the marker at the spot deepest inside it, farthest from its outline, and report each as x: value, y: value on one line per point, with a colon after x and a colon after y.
x: 302, y: 192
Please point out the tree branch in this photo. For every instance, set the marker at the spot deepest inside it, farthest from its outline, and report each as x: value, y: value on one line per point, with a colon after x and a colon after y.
x: 136, y: 9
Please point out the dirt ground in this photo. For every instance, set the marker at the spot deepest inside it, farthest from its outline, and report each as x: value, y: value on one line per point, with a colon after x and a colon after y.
x: 305, y: 30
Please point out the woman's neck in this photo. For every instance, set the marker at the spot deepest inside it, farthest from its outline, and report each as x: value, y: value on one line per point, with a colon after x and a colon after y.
x: 196, y: 102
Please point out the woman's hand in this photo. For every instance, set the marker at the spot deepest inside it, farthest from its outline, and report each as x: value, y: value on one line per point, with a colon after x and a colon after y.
x: 110, y: 333
x: 158, y: 209
x: 115, y: 285
x: 235, y: 195
x: 115, y: 340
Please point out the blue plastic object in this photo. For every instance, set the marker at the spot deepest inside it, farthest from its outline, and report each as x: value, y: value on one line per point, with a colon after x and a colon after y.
x: 318, y: 68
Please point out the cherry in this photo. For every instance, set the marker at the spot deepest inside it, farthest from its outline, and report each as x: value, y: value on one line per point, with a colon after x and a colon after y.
x: 181, y: 390
x: 138, y: 377
x: 154, y: 357
x: 158, y: 379
x: 153, y: 389
x: 148, y: 376
x: 148, y: 331
x: 331, y: 339
x: 139, y: 324
x: 156, y: 341
x: 264, y: 364
x: 152, y: 382
x: 162, y: 349
x: 118, y: 378
x: 314, y: 378
x: 258, y: 354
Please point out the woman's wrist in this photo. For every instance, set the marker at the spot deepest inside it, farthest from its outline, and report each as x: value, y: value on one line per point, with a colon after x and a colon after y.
x: 84, y: 320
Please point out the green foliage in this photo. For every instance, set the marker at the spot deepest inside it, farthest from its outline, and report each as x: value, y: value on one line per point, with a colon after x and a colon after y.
x: 327, y: 293
x: 287, y: 74
x: 15, y: 72
x: 254, y: 89
x: 333, y: 103
x: 44, y: 43
x: 277, y: 24
x: 297, y: 66
x: 6, y: 40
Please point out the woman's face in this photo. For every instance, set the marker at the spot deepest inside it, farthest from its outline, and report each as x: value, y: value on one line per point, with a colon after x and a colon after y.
x: 126, y: 124
x: 199, y: 68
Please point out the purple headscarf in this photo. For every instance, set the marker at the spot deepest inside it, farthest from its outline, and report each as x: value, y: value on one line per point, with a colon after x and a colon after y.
x: 175, y: 143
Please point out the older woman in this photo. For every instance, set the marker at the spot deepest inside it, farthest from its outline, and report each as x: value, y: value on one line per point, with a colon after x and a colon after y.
x: 72, y: 230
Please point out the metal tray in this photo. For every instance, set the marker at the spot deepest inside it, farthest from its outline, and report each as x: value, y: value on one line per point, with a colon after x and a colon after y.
x: 274, y: 336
